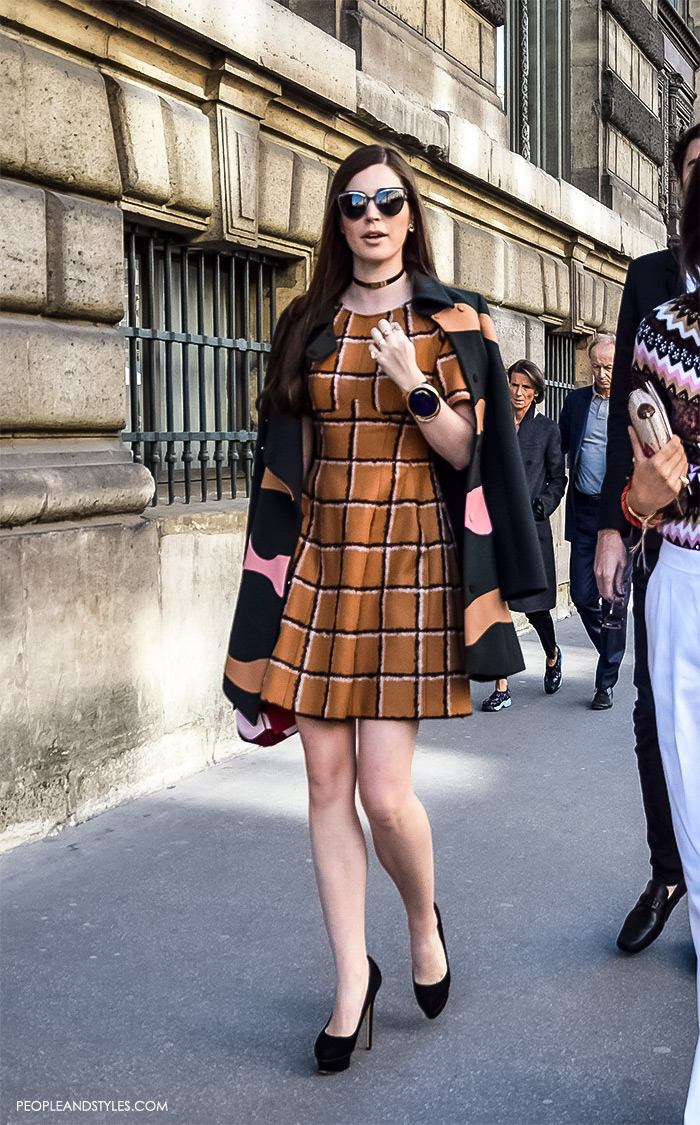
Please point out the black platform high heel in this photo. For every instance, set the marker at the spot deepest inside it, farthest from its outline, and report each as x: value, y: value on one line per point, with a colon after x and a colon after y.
x: 433, y: 997
x: 333, y: 1051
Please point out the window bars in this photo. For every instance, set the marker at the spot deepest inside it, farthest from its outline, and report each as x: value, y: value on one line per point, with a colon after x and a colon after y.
x: 198, y: 326
x: 560, y: 370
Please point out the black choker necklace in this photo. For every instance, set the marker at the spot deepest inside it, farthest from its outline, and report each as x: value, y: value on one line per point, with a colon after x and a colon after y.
x: 379, y: 284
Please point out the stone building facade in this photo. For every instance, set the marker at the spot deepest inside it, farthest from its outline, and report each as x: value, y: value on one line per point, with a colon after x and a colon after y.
x: 165, y: 165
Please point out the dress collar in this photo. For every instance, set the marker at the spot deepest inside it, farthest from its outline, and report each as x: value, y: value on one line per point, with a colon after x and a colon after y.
x: 428, y: 296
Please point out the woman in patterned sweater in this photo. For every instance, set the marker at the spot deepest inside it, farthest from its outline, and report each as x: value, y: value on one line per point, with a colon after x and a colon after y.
x: 665, y: 492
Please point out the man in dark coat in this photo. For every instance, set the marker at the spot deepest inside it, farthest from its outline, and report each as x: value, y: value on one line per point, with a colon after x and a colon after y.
x: 651, y: 280
x: 583, y: 425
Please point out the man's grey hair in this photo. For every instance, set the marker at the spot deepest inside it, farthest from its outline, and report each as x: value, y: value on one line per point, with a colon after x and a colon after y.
x: 600, y: 338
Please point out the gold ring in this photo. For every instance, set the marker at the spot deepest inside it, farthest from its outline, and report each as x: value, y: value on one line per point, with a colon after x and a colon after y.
x: 685, y: 481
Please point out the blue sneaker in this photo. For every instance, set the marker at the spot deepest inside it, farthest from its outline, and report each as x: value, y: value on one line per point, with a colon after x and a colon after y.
x: 497, y: 701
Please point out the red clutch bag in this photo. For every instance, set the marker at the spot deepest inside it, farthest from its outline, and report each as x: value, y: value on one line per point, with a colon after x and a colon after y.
x: 274, y: 725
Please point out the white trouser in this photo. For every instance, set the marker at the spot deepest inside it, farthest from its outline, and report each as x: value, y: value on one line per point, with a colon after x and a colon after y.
x: 673, y: 625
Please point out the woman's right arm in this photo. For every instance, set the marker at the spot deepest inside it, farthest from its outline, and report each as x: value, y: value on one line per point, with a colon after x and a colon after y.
x: 307, y: 442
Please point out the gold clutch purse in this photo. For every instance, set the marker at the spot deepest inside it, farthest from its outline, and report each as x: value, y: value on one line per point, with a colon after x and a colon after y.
x: 649, y: 419
x: 651, y: 425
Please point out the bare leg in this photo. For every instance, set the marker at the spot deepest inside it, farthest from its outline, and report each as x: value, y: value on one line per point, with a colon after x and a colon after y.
x: 340, y: 858
x: 401, y: 833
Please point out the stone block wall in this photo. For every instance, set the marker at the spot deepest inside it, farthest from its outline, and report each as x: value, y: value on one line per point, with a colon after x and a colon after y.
x: 62, y: 382
x: 222, y: 125
x: 444, y: 50
x: 56, y: 125
x: 110, y: 663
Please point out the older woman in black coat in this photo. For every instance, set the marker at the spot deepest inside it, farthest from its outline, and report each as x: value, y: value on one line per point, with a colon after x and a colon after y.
x: 540, y: 446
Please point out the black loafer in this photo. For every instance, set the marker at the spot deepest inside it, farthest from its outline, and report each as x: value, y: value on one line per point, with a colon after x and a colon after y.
x: 647, y: 918
x: 552, y: 675
x: 603, y: 699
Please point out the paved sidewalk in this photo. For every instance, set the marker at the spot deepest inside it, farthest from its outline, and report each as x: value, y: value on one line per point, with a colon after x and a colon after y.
x: 172, y: 949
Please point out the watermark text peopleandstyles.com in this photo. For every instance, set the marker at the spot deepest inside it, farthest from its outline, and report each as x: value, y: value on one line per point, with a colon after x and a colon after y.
x: 85, y: 1105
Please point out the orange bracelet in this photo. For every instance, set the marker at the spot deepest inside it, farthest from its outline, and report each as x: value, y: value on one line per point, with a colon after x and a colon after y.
x: 652, y: 520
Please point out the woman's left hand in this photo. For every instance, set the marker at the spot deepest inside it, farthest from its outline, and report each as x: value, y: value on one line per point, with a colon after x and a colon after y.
x: 395, y: 355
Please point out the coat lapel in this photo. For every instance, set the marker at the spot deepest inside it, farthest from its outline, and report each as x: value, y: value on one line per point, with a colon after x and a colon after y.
x: 583, y: 406
x: 528, y: 422
x: 322, y: 341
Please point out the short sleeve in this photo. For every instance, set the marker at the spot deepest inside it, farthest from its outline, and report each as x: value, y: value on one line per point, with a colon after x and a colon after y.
x: 448, y: 375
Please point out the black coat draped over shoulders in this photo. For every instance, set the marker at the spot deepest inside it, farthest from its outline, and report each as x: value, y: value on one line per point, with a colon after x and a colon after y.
x: 488, y: 502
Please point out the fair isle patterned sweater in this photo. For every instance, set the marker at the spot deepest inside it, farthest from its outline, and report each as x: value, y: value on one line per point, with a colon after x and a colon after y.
x: 667, y: 353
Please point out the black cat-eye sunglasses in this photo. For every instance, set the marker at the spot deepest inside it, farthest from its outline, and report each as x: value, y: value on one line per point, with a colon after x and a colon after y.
x: 388, y: 201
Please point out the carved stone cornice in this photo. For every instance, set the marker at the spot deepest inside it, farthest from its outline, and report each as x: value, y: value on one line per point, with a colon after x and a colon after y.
x: 492, y: 10
x: 241, y: 88
x: 626, y: 112
x: 641, y: 27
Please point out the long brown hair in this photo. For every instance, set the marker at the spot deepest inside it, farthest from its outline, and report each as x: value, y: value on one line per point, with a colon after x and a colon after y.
x: 286, y: 383
x: 690, y: 227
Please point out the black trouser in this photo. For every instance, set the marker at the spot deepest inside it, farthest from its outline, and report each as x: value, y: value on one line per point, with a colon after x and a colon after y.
x: 609, y: 643
x: 541, y: 621
x: 665, y: 860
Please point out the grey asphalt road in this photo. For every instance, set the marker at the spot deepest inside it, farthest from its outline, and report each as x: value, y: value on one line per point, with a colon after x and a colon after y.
x: 172, y: 949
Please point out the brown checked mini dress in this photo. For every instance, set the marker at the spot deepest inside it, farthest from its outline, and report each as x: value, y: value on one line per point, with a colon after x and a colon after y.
x: 372, y: 626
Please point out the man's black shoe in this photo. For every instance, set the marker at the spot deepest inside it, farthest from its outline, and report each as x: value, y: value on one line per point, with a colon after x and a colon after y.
x: 647, y: 919
x: 602, y: 700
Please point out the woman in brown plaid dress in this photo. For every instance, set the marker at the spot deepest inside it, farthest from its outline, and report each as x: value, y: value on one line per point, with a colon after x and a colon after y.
x: 370, y: 635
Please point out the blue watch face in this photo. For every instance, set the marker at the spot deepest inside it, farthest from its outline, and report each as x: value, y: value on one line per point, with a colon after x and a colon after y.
x: 424, y: 402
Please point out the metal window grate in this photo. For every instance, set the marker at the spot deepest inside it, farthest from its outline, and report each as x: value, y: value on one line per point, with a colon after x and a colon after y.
x: 560, y: 370
x: 198, y: 326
